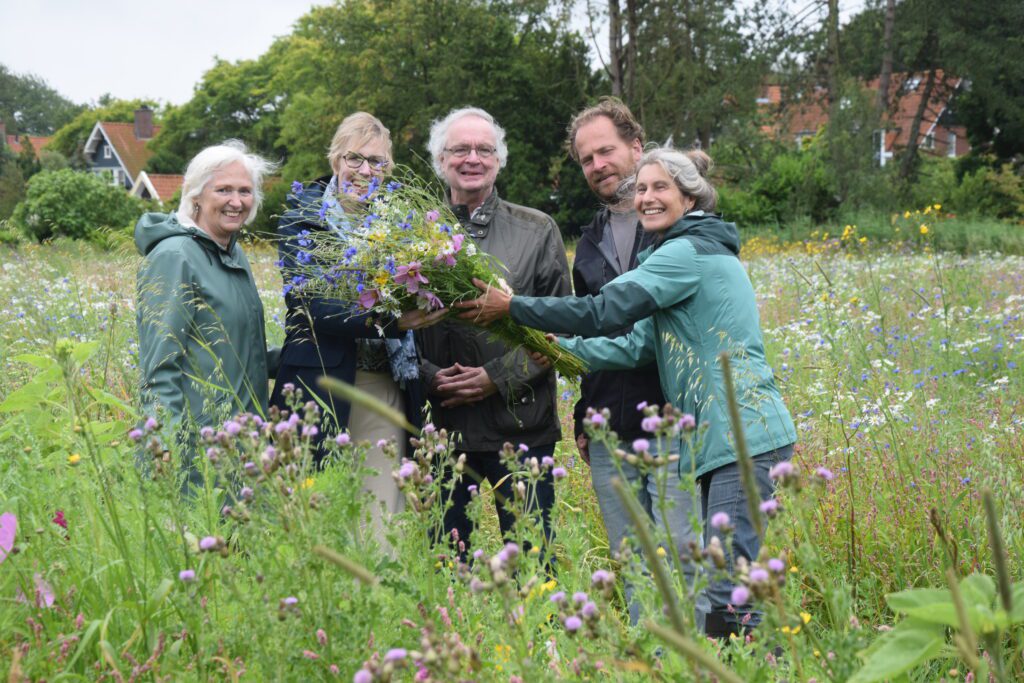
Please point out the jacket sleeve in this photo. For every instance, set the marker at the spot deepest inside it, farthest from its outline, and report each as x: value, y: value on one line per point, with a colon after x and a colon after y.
x: 515, y: 373
x: 332, y: 317
x: 670, y: 275
x: 620, y: 353
x: 165, y: 310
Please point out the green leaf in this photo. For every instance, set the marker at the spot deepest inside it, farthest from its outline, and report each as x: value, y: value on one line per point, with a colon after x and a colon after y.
x: 158, y: 596
x: 41, y: 362
x: 83, y: 350
x: 978, y: 589
x: 934, y: 605
x: 1017, y: 595
x: 910, y: 644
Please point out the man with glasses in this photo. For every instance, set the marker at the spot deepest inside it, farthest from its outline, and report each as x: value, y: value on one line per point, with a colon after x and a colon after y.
x: 487, y: 392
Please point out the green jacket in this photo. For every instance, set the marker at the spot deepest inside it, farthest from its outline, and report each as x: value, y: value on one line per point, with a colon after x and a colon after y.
x: 202, y: 341
x: 691, y: 299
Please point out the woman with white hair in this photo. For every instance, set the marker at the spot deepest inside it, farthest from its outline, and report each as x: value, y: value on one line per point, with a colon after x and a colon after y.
x: 202, y: 342
x: 690, y: 300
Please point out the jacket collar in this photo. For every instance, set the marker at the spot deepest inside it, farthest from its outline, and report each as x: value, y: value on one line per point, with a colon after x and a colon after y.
x: 479, y: 223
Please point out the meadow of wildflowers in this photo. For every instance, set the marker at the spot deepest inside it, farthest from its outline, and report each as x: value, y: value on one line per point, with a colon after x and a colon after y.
x: 886, y: 555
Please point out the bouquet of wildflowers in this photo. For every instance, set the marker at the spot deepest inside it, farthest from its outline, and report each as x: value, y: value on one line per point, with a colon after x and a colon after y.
x: 401, y: 248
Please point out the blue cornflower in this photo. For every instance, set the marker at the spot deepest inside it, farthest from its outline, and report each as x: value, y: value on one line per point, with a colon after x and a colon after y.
x: 304, y: 240
x: 296, y: 187
x: 304, y: 257
x: 390, y: 266
x: 392, y: 186
x: 445, y: 228
x: 323, y: 211
x: 405, y: 226
x: 368, y: 221
x: 279, y: 263
x: 349, y: 253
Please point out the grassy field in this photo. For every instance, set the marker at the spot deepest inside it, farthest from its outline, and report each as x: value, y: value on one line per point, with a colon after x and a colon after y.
x: 900, y: 364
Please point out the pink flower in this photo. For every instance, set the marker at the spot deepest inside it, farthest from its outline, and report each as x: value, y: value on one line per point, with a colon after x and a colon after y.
x: 411, y: 277
x: 572, y: 624
x: 434, y: 303
x: 44, y: 593
x: 720, y: 520
x: 433, y: 215
x: 343, y: 439
x: 369, y: 298
x: 740, y: 595
x: 8, y: 531
x: 309, y: 654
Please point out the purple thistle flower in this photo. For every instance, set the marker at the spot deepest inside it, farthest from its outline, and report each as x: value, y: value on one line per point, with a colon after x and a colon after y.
x: 597, y: 419
x: 362, y: 676
x: 433, y: 215
x: 641, y: 446
x: 186, y: 576
x: 600, y: 577
x: 776, y: 565
x: 770, y: 507
x: 290, y: 601
x: 135, y: 435
x: 558, y: 598
x: 232, y: 428
x: 246, y: 493
x: 406, y: 470
x: 396, y: 654
x: 781, y: 470
x: 758, y: 575
x: 547, y: 461
x: 579, y: 597
x: 589, y: 610
x: 687, y: 422
x: 559, y: 473
x: 651, y: 423
x: 825, y: 473
x: 208, y: 543
x: 642, y: 405
x: 151, y: 424
x: 572, y: 624
x: 720, y: 520
x: 740, y: 596
x: 343, y: 439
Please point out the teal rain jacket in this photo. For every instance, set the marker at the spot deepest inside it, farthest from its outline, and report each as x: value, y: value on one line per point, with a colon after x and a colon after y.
x: 690, y: 300
x: 202, y: 341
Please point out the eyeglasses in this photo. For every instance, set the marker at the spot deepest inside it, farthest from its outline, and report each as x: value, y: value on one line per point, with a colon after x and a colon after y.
x: 463, y: 151
x: 355, y: 160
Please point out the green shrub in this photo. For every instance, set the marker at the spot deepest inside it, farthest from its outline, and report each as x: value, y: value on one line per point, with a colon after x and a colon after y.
x: 68, y: 203
x: 990, y: 192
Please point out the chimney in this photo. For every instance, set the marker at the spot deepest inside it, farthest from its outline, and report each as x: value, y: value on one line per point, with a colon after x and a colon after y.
x: 143, y: 123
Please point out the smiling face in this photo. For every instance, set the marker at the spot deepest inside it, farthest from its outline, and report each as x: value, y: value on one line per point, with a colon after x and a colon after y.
x: 355, y: 167
x: 471, y: 177
x: 225, y: 202
x: 658, y: 201
x: 605, y: 157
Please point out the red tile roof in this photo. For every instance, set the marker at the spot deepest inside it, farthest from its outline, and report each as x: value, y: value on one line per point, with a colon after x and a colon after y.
x: 130, y: 149
x: 14, y: 143
x: 165, y: 184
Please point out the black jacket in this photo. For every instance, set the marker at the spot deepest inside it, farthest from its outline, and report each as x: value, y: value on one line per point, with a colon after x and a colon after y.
x: 618, y: 390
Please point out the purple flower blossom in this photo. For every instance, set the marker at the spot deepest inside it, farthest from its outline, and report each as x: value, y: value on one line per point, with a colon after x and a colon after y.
x: 477, y: 554
x: 151, y: 424
x: 651, y: 423
x: 740, y: 596
x: 720, y: 520
x: 411, y: 277
x: 368, y: 299
x: 825, y: 473
x: 589, y: 610
x: 290, y: 601
x: 296, y: 187
x: 135, y: 435
x: 362, y: 676
x: 642, y: 405
x: 381, y: 443
x: 782, y: 470
x: 558, y: 598
x: 687, y: 422
x: 343, y: 439
x: 406, y: 470
x: 524, y: 448
x: 432, y: 216
x: 559, y: 473
x: 600, y: 577
x: 572, y: 624
x: 186, y: 576
x: 429, y: 428
x: 547, y: 461
x: 579, y: 597
x: 776, y: 565
x: 770, y: 507
x: 232, y: 428
x: 641, y: 446
x: 758, y: 575
x: 206, y: 433
x: 246, y: 493
x: 396, y: 654
x: 208, y: 543
x: 597, y: 419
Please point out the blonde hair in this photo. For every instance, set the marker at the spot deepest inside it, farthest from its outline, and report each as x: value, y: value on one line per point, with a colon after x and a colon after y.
x: 211, y: 160
x: 689, y: 170
x: 355, y: 131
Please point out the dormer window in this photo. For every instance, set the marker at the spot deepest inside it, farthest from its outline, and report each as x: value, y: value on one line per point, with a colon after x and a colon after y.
x: 107, y: 153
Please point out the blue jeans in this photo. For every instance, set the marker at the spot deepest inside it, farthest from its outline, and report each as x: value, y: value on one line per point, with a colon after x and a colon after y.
x: 678, y: 501
x: 722, y: 491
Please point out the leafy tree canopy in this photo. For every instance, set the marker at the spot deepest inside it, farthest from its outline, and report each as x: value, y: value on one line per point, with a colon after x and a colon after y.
x: 29, y: 106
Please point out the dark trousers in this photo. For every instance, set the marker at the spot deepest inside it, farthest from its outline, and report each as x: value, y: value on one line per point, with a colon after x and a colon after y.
x: 481, y: 465
x: 722, y: 491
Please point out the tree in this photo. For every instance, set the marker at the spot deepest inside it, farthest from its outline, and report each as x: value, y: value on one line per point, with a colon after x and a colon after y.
x: 71, y: 138
x: 29, y: 105
x: 69, y: 203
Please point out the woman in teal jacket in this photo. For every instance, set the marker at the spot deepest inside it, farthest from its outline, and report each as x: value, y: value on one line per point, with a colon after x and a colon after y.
x: 690, y: 300
x: 202, y: 340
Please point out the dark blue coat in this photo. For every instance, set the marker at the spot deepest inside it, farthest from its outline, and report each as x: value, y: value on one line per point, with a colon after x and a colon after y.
x: 321, y: 333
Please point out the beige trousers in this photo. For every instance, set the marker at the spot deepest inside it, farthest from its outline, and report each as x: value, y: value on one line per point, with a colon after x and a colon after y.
x: 365, y: 425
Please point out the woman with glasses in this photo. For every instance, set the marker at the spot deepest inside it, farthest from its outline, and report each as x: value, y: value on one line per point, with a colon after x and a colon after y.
x: 330, y: 337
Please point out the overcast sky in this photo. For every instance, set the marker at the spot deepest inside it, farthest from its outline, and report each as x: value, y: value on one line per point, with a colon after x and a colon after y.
x: 136, y: 48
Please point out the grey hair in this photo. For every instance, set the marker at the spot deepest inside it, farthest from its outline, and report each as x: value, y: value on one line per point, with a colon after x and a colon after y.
x: 439, y: 136
x: 215, y: 158
x: 688, y: 169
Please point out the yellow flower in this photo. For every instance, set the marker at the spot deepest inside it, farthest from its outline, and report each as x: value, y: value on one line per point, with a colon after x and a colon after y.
x: 308, y: 483
x: 937, y: 207
x: 661, y: 552
x: 535, y: 550
x: 924, y: 229
x: 927, y: 209
x: 863, y: 240
x: 381, y: 279
x: 906, y: 214
x: 805, y: 616
x: 788, y: 630
x: 854, y: 300
x: 793, y: 569
x: 74, y: 459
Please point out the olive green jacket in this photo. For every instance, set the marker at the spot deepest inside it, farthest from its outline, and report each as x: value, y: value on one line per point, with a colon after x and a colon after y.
x: 202, y: 342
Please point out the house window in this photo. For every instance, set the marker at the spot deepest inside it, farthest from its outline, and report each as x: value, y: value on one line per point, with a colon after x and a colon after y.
x: 106, y: 152
x: 911, y: 84
x: 951, y: 146
x: 928, y: 142
x: 116, y: 174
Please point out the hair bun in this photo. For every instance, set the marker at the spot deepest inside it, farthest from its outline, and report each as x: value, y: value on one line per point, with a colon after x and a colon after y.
x: 701, y: 160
